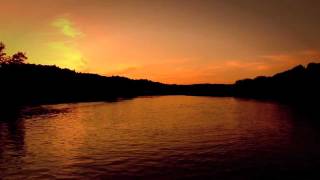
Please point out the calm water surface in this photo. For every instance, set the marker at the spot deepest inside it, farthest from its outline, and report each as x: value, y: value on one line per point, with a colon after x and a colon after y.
x: 159, y: 138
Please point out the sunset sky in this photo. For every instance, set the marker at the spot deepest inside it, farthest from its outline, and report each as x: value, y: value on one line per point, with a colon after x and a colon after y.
x: 171, y: 41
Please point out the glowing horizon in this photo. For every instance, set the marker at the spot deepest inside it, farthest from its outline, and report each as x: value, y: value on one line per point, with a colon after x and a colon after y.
x: 166, y: 41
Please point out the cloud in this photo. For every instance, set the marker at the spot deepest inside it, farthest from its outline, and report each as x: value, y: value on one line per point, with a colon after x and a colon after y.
x: 218, y: 71
x: 294, y: 58
x: 63, y: 50
x: 66, y: 27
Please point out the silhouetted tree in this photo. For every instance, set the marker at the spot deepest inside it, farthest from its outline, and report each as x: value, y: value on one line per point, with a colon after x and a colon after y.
x: 17, y: 58
x: 2, y: 53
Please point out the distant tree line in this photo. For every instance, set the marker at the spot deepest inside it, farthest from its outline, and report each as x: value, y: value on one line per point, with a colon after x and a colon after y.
x: 24, y: 83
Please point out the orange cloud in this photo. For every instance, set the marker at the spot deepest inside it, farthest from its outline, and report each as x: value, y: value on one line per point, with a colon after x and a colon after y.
x: 188, y: 71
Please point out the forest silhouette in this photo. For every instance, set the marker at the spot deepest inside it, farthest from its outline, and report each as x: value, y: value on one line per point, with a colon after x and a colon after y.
x: 23, y: 83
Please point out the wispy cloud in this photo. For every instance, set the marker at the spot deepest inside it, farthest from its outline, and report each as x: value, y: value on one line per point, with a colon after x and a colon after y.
x: 218, y: 71
x: 64, y: 50
x: 66, y: 27
x: 294, y: 58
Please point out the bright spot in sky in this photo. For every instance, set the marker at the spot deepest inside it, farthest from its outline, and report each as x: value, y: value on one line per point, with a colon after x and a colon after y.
x: 67, y: 55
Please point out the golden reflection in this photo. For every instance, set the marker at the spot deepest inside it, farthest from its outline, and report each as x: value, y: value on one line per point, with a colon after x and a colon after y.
x: 131, y: 136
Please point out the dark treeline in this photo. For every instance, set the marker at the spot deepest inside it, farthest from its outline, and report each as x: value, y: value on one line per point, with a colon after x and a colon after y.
x: 30, y: 83
x: 23, y: 83
x: 297, y: 85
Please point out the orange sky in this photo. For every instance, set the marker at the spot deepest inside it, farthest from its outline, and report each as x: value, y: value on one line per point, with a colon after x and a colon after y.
x: 172, y: 41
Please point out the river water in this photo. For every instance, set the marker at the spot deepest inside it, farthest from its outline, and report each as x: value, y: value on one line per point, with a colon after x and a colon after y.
x: 161, y: 137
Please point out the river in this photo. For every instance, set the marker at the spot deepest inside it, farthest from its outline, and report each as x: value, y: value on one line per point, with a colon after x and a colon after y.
x: 160, y: 137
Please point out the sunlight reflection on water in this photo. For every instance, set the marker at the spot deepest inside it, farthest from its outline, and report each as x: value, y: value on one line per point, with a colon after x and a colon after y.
x: 159, y: 137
